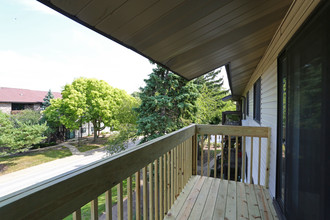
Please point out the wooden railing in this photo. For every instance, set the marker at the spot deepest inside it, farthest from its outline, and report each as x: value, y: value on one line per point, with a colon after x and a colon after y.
x: 159, y: 169
x: 229, y: 140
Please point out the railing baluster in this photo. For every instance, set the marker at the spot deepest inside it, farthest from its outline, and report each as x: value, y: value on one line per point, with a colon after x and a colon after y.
x: 202, y: 154
x: 208, y: 154
x: 259, y: 159
x: 215, y: 157
x: 120, y: 211
x: 137, y: 196
x: 243, y: 155
x: 268, y: 159
x: 222, y: 152
x: 251, y: 160
x: 166, y: 157
x: 195, y: 154
x: 145, y: 198
x: 108, y: 205
x: 183, y: 164
x: 77, y: 215
x: 129, y: 199
x: 161, y: 188
x: 172, y: 179
x: 229, y: 151
x: 156, y: 191
x: 94, y: 209
x: 179, y: 170
x: 175, y: 172
x: 236, y: 158
x: 151, y: 192
x: 167, y: 183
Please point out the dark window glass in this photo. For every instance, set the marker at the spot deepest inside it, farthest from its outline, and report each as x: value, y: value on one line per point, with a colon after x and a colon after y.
x: 303, y: 179
x: 282, y: 100
x: 17, y: 106
x: 257, y: 100
x: 247, y: 103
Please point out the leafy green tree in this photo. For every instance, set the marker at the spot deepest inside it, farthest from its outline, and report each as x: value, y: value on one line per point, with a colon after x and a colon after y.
x: 91, y: 100
x: 52, y: 116
x: 209, y: 104
x: 127, y: 131
x: 20, y: 132
x: 167, y: 104
x: 47, y: 99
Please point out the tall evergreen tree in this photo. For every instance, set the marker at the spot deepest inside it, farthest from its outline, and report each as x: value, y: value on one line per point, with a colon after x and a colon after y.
x: 47, y: 99
x: 167, y: 104
x: 209, y: 104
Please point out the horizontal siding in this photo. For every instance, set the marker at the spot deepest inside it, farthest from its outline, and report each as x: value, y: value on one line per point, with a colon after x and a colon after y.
x: 267, y: 69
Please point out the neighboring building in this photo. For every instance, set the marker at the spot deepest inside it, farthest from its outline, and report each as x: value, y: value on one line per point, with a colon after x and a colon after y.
x: 13, y: 100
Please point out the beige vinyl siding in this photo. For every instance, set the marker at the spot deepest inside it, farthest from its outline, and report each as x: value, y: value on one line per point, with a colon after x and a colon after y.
x: 267, y: 69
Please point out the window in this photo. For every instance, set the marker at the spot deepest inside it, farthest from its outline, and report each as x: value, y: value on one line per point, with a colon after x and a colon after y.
x: 17, y: 106
x: 257, y: 100
x: 247, y: 103
x: 302, y: 181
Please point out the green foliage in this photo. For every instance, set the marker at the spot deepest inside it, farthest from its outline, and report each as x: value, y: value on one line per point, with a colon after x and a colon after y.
x: 127, y: 130
x: 51, y: 115
x: 20, y: 132
x: 167, y: 104
x: 90, y: 100
x: 47, y: 99
x: 209, y: 104
x: 28, y: 117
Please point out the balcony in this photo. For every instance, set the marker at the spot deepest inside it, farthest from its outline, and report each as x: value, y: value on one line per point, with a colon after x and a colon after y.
x: 197, y: 172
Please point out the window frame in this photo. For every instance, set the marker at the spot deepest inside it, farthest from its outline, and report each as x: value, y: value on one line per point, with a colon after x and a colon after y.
x: 247, y: 103
x: 257, y: 100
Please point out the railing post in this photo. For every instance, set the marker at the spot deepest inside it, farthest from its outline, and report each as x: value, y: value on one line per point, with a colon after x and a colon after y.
x: 268, y: 159
x: 194, y: 154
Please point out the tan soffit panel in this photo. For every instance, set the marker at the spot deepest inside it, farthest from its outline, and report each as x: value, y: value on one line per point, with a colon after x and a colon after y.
x: 190, y: 38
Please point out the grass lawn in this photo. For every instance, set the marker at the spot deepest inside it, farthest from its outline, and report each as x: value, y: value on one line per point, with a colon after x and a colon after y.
x: 86, y: 147
x: 13, y: 163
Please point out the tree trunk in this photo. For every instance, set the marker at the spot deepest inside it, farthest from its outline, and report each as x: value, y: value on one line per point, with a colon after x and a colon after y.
x: 95, y: 134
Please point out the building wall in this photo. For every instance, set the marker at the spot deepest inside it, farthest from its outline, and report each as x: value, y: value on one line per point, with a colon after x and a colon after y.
x: 267, y: 70
x: 5, y: 107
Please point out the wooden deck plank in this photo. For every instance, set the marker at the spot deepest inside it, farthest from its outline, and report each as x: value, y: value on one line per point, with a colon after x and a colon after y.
x: 231, y: 201
x: 190, y: 202
x: 178, y: 204
x: 211, y: 200
x: 263, y: 204
x: 201, y: 200
x: 220, y: 209
x: 253, y: 209
x: 270, y: 202
x: 242, y: 208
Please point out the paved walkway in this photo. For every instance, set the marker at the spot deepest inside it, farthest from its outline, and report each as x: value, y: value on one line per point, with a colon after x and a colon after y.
x: 21, y: 179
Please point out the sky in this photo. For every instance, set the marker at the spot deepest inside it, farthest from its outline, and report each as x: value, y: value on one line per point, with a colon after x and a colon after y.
x: 41, y: 49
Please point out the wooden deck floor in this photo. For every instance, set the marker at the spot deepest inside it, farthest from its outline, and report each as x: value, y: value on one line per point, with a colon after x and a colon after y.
x: 210, y: 198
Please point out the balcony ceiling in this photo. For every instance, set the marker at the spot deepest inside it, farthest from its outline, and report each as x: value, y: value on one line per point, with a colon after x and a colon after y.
x: 190, y: 38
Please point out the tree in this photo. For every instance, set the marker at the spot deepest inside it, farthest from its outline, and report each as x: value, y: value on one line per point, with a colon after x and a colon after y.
x: 209, y: 104
x: 127, y: 131
x: 91, y: 100
x: 167, y: 104
x: 52, y: 116
x: 20, y: 132
x: 47, y: 99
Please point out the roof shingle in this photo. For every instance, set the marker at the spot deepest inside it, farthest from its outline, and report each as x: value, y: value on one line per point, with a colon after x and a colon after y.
x: 15, y: 95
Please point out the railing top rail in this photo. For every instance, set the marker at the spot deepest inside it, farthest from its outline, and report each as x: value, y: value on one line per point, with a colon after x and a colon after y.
x: 233, y: 130
x: 59, y: 196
